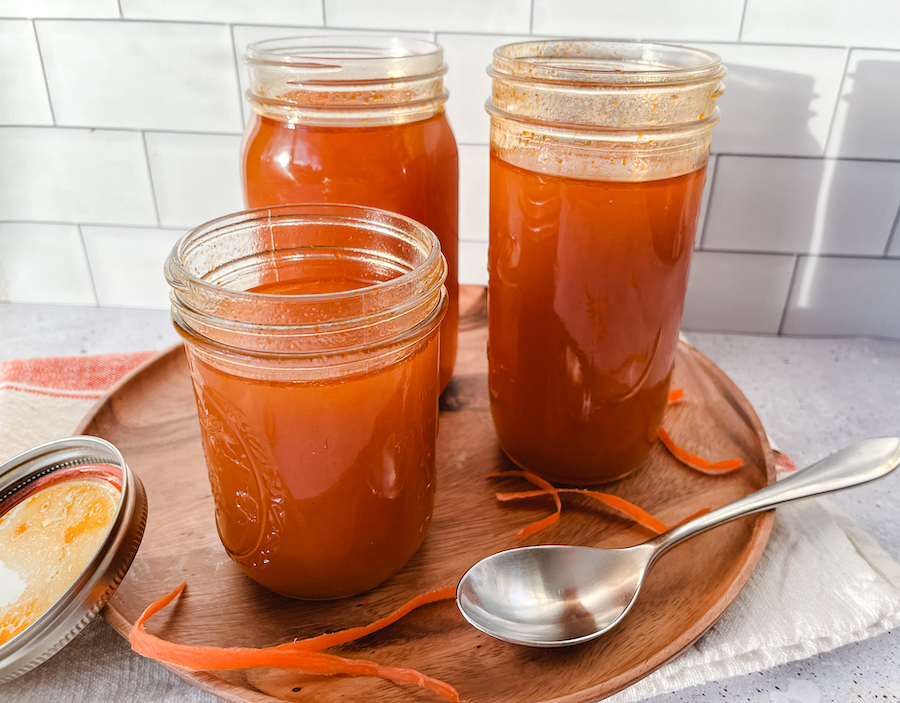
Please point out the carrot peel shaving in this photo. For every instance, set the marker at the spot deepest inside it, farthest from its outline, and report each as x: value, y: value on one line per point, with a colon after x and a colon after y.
x: 696, y: 462
x: 546, y: 489
x: 332, y: 639
x: 637, y: 514
x: 675, y: 395
x: 302, y: 656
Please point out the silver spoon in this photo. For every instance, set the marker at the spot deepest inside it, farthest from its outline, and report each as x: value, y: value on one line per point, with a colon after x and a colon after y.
x: 559, y: 595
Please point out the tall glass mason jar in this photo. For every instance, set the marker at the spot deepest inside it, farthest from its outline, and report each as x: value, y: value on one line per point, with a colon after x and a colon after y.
x: 359, y: 120
x: 598, y: 159
x: 312, y: 341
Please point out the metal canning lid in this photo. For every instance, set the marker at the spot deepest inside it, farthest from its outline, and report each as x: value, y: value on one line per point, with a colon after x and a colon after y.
x: 42, y: 467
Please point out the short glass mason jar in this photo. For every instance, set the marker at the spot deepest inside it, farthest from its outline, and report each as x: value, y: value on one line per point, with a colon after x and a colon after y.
x: 312, y: 341
x: 359, y: 120
x: 598, y: 160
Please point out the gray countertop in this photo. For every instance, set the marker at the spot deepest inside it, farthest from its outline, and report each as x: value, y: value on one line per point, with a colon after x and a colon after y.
x: 813, y: 396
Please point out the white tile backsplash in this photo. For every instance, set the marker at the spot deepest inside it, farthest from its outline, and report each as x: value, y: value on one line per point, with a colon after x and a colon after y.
x: 302, y: 12
x: 43, y: 263
x: 24, y: 98
x: 74, y: 175
x: 866, y: 123
x: 431, y: 15
x: 137, y: 138
x: 474, y: 181
x: 468, y: 57
x: 737, y: 292
x: 196, y: 177
x: 692, y: 20
x: 778, y: 99
x: 803, y: 205
x: 60, y: 8
x: 868, y: 23
x: 473, y: 262
x: 141, y: 75
x: 845, y: 297
x: 127, y: 265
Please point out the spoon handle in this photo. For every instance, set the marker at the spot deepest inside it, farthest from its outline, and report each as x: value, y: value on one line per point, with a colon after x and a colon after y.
x: 859, y: 463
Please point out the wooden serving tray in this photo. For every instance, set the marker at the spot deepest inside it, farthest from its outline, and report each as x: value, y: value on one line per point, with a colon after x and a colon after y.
x: 151, y: 417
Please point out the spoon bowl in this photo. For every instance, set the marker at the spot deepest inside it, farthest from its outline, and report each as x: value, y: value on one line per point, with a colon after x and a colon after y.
x: 536, y: 595
x: 561, y: 595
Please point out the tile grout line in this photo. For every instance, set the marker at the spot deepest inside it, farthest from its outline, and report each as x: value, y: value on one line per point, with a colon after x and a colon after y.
x: 820, y: 255
x: 837, y: 106
x: 743, y: 17
x: 37, y: 41
x: 238, y: 133
x: 806, y: 157
x: 324, y: 16
x: 709, y: 200
x: 237, y: 75
x: 150, y: 177
x: 87, y: 259
x: 130, y: 130
x: 866, y: 47
x: 531, y: 18
x: 895, y: 234
x: 112, y: 225
x: 787, y: 301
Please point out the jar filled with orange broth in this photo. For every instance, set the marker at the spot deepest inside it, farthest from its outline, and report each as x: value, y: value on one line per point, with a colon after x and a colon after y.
x: 360, y: 120
x: 598, y: 160
x: 312, y: 341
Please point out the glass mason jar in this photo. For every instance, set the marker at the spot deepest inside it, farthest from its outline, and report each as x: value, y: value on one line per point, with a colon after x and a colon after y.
x: 312, y: 341
x: 598, y: 159
x: 358, y: 120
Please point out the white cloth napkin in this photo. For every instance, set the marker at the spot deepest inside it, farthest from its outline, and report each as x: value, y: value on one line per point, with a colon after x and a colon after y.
x: 821, y: 582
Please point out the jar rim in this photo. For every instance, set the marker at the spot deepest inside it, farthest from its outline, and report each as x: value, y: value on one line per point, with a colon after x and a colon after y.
x: 214, y: 268
x: 325, y: 57
x: 606, y: 62
x: 179, y: 276
x: 349, y: 80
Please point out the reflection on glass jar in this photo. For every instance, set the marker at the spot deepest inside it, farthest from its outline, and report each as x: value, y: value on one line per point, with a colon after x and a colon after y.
x: 356, y: 120
x: 598, y: 159
x: 312, y: 340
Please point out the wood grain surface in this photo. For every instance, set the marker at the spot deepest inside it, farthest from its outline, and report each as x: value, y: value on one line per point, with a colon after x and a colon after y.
x: 151, y: 417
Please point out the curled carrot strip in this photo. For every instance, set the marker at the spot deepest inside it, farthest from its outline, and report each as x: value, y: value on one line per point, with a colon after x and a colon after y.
x: 675, y: 395
x: 546, y: 489
x: 332, y: 639
x: 200, y: 658
x: 692, y: 516
x: 639, y: 515
x: 696, y: 462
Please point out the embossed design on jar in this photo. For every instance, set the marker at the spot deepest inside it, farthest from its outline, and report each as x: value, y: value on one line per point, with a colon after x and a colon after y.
x: 251, y: 501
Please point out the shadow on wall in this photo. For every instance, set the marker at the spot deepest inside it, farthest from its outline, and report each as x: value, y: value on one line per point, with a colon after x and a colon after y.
x: 832, y: 216
x: 857, y: 209
x: 871, y: 109
x: 764, y: 111
x: 769, y: 106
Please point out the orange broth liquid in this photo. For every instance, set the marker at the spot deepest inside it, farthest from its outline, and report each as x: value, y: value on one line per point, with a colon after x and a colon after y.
x: 323, y: 489
x: 411, y: 169
x: 587, y: 284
